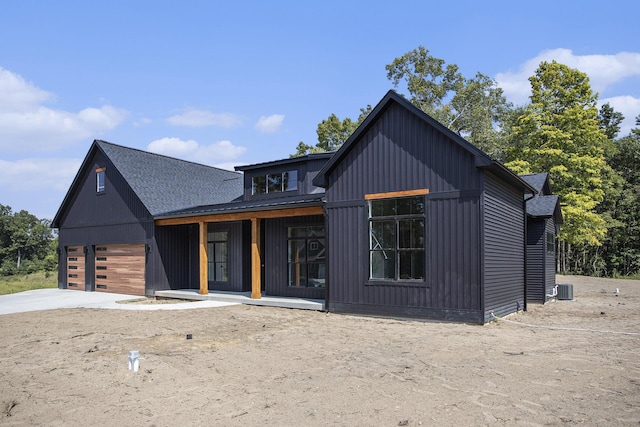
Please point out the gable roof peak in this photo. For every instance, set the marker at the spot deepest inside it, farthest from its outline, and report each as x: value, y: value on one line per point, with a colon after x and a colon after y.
x: 483, y: 160
x: 161, y: 183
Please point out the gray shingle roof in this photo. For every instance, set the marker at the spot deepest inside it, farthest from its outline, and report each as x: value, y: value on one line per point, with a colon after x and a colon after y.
x: 542, y: 206
x: 536, y: 180
x: 166, y: 184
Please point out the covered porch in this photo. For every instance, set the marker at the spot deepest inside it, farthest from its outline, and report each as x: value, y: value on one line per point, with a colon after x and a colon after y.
x: 253, y: 248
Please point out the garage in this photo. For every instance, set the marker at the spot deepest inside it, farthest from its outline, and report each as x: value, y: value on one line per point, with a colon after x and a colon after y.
x: 120, y: 269
x: 75, y: 267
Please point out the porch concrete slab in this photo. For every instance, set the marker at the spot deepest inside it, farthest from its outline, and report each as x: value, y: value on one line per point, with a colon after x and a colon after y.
x: 245, y: 298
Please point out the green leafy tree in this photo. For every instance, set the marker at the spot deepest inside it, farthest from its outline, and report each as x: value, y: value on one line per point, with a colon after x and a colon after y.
x: 610, y: 121
x: 470, y: 107
x: 622, y: 248
x: 332, y: 133
x: 26, y: 242
x: 559, y: 132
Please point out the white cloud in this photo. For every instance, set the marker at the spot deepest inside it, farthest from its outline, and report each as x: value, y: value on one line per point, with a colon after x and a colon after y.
x: 27, y: 125
x: 212, y: 154
x: 201, y: 118
x: 18, y: 94
x: 270, y: 124
x: 37, y: 174
x: 143, y: 122
x: 629, y: 107
x: 603, y: 71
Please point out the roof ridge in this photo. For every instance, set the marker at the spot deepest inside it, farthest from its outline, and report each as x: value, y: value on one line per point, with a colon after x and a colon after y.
x: 101, y: 141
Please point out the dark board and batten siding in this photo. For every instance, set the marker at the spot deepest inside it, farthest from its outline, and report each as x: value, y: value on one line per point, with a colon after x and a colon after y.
x: 454, y: 225
x: 402, y: 152
x: 504, y: 248
x: 535, y: 261
x: 115, y: 216
x: 177, y: 259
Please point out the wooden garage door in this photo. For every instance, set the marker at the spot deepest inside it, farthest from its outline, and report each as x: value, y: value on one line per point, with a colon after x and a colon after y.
x: 120, y: 269
x: 75, y: 267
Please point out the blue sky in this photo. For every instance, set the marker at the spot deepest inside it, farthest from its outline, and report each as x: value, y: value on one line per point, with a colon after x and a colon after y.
x: 240, y: 82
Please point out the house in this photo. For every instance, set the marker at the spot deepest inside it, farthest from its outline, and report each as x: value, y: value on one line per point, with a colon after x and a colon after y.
x: 406, y: 219
x: 422, y: 223
x: 544, y: 218
x: 108, y: 240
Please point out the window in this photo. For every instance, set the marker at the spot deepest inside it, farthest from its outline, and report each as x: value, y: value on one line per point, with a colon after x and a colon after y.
x: 397, y: 239
x: 551, y: 243
x: 217, y: 255
x: 100, y: 180
x: 275, y: 182
x: 306, y: 256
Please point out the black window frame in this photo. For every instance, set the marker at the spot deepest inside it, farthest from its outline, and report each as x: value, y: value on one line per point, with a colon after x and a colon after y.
x: 550, y: 242
x: 212, y: 262
x: 314, y: 240
x: 274, y: 182
x: 391, y: 221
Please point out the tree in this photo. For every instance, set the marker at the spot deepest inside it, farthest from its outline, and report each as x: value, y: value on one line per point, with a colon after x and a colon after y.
x: 470, y: 107
x: 559, y: 132
x: 332, y: 133
x: 25, y: 241
x: 622, y: 254
x: 610, y: 121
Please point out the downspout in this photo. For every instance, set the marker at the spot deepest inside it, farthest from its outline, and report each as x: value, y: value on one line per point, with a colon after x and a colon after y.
x: 526, y: 270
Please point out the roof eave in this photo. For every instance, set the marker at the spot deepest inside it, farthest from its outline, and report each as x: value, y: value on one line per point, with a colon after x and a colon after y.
x: 55, y: 223
x: 226, y: 209
x: 508, y: 175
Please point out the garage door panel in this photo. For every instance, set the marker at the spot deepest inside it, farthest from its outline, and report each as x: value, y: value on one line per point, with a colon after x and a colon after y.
x: 75, y: 268
x: 120, y: 269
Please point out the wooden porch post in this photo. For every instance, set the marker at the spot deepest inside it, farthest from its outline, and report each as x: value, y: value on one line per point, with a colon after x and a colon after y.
x: 256, y: 260
x: 204, y: 262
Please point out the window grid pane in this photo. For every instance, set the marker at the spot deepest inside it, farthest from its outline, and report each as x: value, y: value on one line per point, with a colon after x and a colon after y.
x: 259, y: 185
x: 397, y: 239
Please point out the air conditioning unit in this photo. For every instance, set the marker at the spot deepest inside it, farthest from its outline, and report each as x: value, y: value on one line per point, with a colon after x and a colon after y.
x: 565, y: 291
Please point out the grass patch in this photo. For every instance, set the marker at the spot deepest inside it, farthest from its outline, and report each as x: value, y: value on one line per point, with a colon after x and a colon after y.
x: 27, y: 282
x: 631, y: 277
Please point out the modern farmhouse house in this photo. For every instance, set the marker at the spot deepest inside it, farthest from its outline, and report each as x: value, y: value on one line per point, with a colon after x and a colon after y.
x: 406, y: 219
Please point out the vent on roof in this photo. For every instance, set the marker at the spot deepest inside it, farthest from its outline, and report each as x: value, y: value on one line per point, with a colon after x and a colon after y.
x: 565, y: 291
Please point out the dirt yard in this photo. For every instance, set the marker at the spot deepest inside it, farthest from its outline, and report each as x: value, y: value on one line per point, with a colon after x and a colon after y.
x: 250, y: 366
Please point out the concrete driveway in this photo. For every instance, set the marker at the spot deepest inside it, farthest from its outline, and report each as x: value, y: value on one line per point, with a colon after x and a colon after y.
x: 52, y: 299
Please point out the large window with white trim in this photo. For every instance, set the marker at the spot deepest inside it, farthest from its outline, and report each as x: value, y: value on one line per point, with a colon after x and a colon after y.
x: 100, y: 180
x: 397, y: 239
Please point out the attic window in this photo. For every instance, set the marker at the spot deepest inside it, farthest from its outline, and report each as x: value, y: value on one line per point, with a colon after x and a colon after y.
x: 275, y: 182
x: 100, y: 180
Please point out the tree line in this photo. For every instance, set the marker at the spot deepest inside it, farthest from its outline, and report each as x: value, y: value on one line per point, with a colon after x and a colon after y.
x: 27, y: 244
x: 559, y: 131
